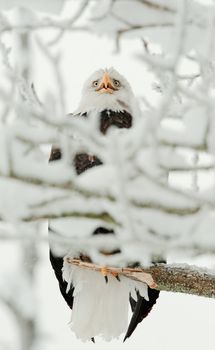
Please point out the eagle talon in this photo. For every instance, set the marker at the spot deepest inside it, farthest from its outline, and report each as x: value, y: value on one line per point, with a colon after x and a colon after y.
x: 104, y: 272
x: 116, y: 275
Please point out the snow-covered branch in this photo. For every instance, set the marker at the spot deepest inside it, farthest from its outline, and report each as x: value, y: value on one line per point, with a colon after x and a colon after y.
x: 155, y: 148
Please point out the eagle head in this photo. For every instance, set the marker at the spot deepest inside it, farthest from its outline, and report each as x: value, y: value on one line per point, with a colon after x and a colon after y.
x: 106, y: 89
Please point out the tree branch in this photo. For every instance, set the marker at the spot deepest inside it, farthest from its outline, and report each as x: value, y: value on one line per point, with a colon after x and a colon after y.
x: 104, y: 216
x: 183, y: 279
x: 139, y: 203
x: 172, y: 278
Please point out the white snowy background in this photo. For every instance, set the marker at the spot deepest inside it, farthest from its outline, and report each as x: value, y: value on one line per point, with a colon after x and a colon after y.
x: 178, y: 321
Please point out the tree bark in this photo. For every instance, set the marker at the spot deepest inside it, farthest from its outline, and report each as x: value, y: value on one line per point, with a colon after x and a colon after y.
x: 183, y: 279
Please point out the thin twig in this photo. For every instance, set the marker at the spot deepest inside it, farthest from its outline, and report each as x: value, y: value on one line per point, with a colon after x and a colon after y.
x: 157, y: 6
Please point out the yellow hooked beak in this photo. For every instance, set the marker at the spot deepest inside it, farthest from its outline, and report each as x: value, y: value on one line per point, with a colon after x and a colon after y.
x: 106, y: 85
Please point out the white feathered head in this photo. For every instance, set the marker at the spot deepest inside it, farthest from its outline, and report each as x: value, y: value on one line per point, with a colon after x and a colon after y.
x: 106, y: 89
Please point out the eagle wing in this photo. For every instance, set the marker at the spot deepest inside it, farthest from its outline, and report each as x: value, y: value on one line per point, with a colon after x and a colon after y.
x: 57, y: 264
x: 141, y: 308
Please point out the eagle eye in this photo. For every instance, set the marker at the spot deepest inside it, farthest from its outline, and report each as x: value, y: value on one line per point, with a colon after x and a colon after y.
x: 116, y: 82
x: 95, y: 83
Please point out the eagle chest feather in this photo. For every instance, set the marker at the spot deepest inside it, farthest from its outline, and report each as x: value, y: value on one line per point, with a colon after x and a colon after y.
x: 83, y: 161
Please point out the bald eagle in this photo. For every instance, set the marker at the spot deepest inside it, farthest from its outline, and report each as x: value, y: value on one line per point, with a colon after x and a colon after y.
x: 100, y: 308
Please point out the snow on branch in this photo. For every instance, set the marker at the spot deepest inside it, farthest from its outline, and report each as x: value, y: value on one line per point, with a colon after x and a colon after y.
x: 135, y: 190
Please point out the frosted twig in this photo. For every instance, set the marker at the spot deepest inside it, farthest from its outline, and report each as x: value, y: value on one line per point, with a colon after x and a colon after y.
x: 69, y: 23
x: 55, y: 62
x: 157, y: 6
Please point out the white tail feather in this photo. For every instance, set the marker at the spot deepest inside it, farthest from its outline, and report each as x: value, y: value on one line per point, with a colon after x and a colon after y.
x: 100, y: 309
